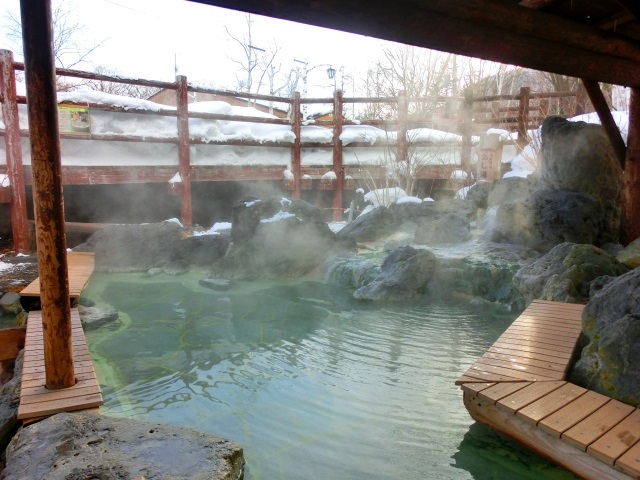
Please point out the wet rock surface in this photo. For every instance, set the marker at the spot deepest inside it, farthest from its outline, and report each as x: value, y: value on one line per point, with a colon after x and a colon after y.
x: 349, y: 270
x: 81, y: 446
x: 166, y: 246
x: 95, y: 317
x: 9, y: 401
x: 577, y: 196
x: 276, y: 237
x: 404, y: 274
x: 566, y: 273
x: 610, y: 362
x: 450, y: 228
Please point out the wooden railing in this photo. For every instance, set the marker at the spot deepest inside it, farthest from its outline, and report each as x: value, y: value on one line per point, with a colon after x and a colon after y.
x: 473, y: 116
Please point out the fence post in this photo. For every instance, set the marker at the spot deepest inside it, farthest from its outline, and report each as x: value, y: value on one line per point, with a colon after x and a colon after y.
x: 630, y: 222
x: 296, y: 124
x: 15, y: 171
x: 47, y: 193
x: 523, y: 116
x: 184, y: 156
x: 465, y: 130
x: 338, y: 120
x: 403, y: 114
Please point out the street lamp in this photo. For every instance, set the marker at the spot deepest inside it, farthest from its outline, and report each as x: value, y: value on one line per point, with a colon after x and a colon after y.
x: 331, y: 73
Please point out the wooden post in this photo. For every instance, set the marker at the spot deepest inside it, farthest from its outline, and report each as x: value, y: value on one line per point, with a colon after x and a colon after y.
x: 631, y: 218
x: 296, y: 160
x: 543, y: 108
x: 523, y: 116
x: 15, y: 171
x: 337, y: 155
x: 465, y: 130
x: 47, y: 192
x: 184, y: 156
x: 403, y: 114
x: 606, y: 119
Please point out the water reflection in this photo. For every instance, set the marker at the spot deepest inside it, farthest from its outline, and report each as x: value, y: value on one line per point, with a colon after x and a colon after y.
x: 311, y: 383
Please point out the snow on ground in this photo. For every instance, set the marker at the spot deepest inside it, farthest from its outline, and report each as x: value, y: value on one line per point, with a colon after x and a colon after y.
x: 384, y: 196
x: 215, y: 229
x: 408, y: 199
x: 5, y: 266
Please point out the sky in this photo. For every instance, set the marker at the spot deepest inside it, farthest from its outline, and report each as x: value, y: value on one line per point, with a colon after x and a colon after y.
x: 148, y: 38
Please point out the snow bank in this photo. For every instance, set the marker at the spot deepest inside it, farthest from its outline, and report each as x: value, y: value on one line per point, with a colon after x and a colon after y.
x: 408, y: 199
x: 385, y: 196
x: 215, y: 229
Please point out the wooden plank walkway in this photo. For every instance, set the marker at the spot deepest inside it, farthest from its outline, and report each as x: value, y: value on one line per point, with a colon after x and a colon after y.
x: 80, y: 266
x: 519, y: 387
x: 35, y: 399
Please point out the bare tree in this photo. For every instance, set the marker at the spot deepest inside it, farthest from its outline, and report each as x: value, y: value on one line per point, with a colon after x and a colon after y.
x: 417, y: 71
x: 69, y: 45
x: 256, y: 63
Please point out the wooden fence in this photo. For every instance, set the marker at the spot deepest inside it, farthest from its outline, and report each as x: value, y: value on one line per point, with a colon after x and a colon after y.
x: 472, y: 117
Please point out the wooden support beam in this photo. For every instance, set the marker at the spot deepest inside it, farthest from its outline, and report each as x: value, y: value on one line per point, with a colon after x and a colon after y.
x: 337, y: 155
x: 523, y: 116
x: 184, y: 155
x: 608, y: 123
x: 48, y: 200
x: 631, y: 218
x: 296, y: 153
x: 505, y: 32
x: 403, y: 114
x: 632, y: 6
x: 465, y: 131
x: 19, y: 225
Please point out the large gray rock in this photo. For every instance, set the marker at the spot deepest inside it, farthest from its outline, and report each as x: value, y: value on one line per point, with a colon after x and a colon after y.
x: 630, y: 255
x: 9, y: 402
x: 404, y: 274
x: 486, y: 194
x: 83, y: 446
x: 276, y: 237
x: 166, y: 245
x: 94, y: 317
x: 449, y: 228
x: 578, y: 156
x: 376, y: 224
x: 610, y: 363
x: 565, y: 273
x: 550, y: 217
x: 349, y: 270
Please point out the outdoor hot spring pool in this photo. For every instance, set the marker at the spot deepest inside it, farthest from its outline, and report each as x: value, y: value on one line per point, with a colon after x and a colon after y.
x: 313, y: 384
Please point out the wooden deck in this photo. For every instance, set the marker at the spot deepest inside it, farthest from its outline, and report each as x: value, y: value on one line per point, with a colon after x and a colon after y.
x: 80, y: 266
x: 38, y: 401
x: 519, y: 387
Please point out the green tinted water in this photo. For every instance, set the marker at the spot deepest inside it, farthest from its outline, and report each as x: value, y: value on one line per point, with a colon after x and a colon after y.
x: 312, y: 384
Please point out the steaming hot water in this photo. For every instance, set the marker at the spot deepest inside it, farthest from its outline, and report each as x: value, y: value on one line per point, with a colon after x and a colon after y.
x: 312, y: 384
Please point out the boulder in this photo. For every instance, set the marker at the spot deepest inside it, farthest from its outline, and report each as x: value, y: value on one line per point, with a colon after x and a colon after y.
x: 550, y: 217
x: 376, y: 224
x: 485, y: 194
x: 630, y: 256
x: 166, y: 246
x: 610, y: 362
x: 566, y: 272
x: 404, y: 274
x: 577, y: 156
x: 9, y: 401
x: 95, y: 317
x: 10, y: 303
x: 77, y: 446
x: 449, y: 228
x: 274, y: 238
x: 349, y: 270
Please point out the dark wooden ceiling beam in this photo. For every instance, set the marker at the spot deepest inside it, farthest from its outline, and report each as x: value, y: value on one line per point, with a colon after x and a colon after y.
x: 632, y: 6
x: 539, y: 3
x: 615, y: 21
x: 499, y: 39
x: 504, y: 15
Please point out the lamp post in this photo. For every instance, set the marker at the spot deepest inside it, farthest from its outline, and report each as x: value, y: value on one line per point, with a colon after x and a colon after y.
x: 331, y: 72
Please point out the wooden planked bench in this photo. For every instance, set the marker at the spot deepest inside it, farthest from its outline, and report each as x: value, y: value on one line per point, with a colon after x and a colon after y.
x: 519, y: 388
x: 80, y: 266
x: 35, y: 399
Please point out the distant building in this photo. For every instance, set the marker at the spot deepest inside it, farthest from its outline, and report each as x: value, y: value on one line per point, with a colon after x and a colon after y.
x: 168, y: 97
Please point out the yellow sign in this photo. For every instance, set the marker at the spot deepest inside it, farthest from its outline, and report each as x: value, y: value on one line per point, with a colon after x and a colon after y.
x: 74, y: 119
